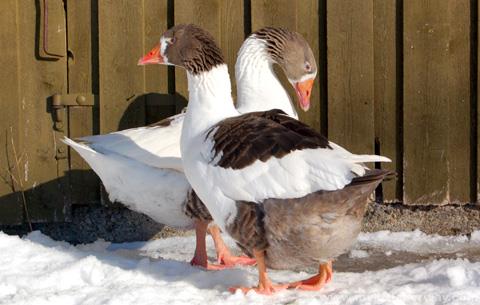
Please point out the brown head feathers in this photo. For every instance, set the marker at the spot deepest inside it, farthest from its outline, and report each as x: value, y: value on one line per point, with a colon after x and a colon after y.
x: 290, y: 50
x: 192, y: 47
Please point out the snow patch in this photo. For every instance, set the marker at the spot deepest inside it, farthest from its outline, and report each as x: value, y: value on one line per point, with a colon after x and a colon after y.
x: 418, y: 242
x: 38, y: 270
x: 358, y: 253
x: 457, y: 276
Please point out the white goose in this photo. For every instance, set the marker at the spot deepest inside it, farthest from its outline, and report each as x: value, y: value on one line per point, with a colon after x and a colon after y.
x: 287, y: 195
x: 142, y: 168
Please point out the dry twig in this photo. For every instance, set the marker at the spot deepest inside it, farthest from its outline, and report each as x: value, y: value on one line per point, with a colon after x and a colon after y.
x: 17, y: 179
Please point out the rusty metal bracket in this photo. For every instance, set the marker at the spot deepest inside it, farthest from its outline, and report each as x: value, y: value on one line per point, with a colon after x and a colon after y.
x: 73, y: 99
x: 60, y: 101
x: 53, y: 29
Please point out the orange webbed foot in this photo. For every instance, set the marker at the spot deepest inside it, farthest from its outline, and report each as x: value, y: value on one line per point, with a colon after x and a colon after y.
x: 224, y: 256
x: 316, y: 282
x: 204, y: 264
x: 265, y: 286
x: 230, y: 260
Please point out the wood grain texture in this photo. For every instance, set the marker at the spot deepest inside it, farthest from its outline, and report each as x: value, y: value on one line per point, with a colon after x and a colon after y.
x: 11, y: 211
x: 231, y: 35
x: 122, y: 82
x: 385, y: 91
x: 351, y: 74
x: 155, y: 23
x: 436, y: 102
x: 43, y: 176
x: 300, y: 16
x: 202, y: 13
x: 307, y: 25
x: 223, y: 19
x: 156, y: 76
x: 82, y: 121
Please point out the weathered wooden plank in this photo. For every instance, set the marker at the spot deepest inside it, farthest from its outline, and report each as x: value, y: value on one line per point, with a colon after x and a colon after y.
x: 79, y: 46
x: 84, y: 184
x: 436, y: 101
x: 385, y: 90
x: 202, y: 13
x: 223, y: 19
x: 155, y: 23
x: 10, y: 200
x: 281, y: 13
x: 308, y: 26
x: 231, y: 34
x: 351, y: 74
x: 159, y: 107
x: 156, y: 76
x: 121, y: 43
x: 300, y: 16
x: 46, y: 189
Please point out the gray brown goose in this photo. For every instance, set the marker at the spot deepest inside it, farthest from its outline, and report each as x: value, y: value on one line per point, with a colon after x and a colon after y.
x: 257, y: 170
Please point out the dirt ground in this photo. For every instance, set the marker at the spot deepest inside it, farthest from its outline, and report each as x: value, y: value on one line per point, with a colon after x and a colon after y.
x: 118, y: 224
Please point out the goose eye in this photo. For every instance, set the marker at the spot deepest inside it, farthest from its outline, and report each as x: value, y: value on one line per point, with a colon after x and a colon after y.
x: 308, y: 68
x: 172, y: 40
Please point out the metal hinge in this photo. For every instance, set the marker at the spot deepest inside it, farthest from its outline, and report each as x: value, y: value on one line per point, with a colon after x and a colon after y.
x: 60, y: 101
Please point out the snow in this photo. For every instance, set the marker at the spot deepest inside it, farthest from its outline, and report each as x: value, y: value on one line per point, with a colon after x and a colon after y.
x: 356, y: 253
x: 419, y: 242
x: 37, y: 270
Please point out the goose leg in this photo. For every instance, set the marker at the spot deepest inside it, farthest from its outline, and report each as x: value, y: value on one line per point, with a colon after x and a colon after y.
x: 224, y: 256
x: 265, y: 286
x: 324, y: 276
x: 200, y: 257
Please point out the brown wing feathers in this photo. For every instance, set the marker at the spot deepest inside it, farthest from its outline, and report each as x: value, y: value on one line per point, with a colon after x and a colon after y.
x: 255, y: 136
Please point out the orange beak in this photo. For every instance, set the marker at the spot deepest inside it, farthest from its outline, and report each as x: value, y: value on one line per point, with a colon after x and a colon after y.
x: 152, y: 57
x: 304, y: 91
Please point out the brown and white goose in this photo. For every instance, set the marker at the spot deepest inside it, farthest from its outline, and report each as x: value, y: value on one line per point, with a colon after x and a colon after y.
x: 285, y: 193
x: 142, y: 168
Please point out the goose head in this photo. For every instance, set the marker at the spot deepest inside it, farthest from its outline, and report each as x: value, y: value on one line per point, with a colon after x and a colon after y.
x: 293, y: 54
x: 187, y: 46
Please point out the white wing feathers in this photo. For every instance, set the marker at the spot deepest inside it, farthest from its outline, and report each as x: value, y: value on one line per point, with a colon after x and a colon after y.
x: 156, y: 146
x: 295, y: 175
x: 158, y: 193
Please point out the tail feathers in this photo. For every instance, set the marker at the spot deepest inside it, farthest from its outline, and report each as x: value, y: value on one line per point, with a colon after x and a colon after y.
x: 342, y: 152
x: 373, y: 175
x: 368, y: 158
x: 358, y: 167
x: 78, y: 146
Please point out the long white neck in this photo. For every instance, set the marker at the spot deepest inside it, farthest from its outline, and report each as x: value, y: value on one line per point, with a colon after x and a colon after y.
x: 258, y: 88
x: 210, y: 101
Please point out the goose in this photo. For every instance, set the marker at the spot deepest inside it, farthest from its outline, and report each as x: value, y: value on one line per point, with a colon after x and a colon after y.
x: 289, y: 197
x: 142, y: 168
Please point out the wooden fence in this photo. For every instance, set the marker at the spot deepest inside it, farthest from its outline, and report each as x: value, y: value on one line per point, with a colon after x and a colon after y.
x: 398, y: 78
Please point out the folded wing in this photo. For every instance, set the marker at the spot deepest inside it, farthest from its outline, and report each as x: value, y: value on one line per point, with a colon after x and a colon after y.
x: 263, y: 155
